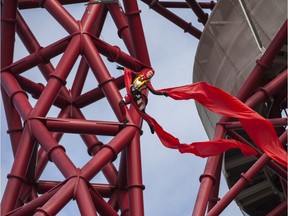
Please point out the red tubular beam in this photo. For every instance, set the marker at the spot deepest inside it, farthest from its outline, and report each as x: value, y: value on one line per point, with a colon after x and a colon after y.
x: 82, y: 126
x: 205, y: 5
x: 65, y: 19
x: 245, y: 179
x: 214, y: 195
x: 102, y: 207
x: 114, y: 54
x: 83, y: 66
x: 279, y: 170
x: 31, y: 171
x: 202, y: 17
x: 94, y: 145
x: 42, y: 155
x: 18, y: 172
x: 239, y: 185
x: 263, y: 63
x: 113, y: 202
x: 133, y: 160
x: 122, y: 25
x: 80, y: 78
x: 274, y: 167
x: 26, y: 35
x: 35, y: 89
x: 13, y: 122
x: 98, y: 13
x: 8, y: 26
x: 122, y: 176
x: 29, y: 86
x: 89, y: 97
x: 99, y: 23
x: 122, y: 193
x: 29, y: 208
x: 105, y: 190
x: 28, y: 4
x: 208, y: 178
x: 41, y: 162
x: 124, y: 202
x: 83, y: 198
x: 277, y: 122
x: 105, y: 155
x: 58, y: 200
x: 135, y: 186
x: 134, y: 173
x: 106, y: 82
x: 132, y: 13
x: 91, y: 14
x: 17, y: 96
x: 33, y: 46
x: 270, y: 89
x: 57, y: 78
x: 33, y: 60
x: 55, y: 152
x: 279, y: 210
x: 28, y: 191
x: 96, y: 94
x: 187, y: 27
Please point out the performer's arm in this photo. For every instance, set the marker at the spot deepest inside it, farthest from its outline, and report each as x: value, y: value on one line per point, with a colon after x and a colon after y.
x: 155, y: 92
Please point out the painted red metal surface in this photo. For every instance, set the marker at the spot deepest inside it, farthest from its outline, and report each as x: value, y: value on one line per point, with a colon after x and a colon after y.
x: 35, y: 138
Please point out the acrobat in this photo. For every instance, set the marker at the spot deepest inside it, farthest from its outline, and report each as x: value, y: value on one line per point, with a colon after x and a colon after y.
x: 139, y: 84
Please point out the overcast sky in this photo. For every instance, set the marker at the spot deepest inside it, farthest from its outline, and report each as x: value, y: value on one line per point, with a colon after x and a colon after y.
x: 171, y: 179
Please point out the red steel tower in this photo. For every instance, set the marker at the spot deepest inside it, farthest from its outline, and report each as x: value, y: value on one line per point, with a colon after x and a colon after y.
x: 242, y: 49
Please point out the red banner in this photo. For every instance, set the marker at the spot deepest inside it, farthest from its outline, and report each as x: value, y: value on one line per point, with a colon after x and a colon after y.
x: 258, y: 128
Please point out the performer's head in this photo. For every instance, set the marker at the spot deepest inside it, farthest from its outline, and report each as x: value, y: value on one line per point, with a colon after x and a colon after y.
x: 147, y: 73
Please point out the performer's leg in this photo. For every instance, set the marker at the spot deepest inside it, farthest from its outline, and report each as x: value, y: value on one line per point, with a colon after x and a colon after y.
x: 122, y: 105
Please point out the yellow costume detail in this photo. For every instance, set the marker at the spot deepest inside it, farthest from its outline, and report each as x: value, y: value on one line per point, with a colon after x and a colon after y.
x: 139, y: 83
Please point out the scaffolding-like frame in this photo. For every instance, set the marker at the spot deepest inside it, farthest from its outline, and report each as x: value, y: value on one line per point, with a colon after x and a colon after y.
x: 35, y: 138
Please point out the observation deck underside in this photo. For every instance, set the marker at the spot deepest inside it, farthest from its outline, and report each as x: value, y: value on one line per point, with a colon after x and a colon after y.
x: 234, y: 41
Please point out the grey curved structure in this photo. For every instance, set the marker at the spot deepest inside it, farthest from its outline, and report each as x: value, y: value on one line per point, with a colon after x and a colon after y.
x: 237, y: 36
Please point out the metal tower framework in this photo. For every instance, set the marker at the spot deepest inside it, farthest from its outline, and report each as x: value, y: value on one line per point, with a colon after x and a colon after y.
x: 35, y: 137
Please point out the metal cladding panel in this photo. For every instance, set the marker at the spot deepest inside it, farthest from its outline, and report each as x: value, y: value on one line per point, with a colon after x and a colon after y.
x: 267, y: 17
x: 227, y: 51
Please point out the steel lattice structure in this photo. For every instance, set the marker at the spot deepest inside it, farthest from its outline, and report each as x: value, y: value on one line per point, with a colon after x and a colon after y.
x: 35, y: 138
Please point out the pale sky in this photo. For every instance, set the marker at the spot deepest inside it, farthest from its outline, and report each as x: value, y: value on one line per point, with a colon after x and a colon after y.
x: 171, y: 179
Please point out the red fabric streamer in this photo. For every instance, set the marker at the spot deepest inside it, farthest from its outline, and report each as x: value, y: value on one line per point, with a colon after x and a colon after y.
x: 258, y: 128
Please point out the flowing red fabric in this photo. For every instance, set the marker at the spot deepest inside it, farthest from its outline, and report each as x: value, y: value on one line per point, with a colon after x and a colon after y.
x: 258, y: 128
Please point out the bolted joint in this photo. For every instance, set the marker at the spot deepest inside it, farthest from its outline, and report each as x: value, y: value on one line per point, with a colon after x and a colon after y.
x: 41, y: 210
x: 91, y: 148
x: 207, y: 176
x: 246, y: 178
x: 112, y: 150
x: 51, y: 150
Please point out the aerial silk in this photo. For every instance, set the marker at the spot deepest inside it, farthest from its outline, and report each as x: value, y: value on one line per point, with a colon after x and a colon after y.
x: 258, y: 128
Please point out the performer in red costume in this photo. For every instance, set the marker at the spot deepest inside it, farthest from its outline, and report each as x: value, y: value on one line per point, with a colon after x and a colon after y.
x: 139, y: 84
